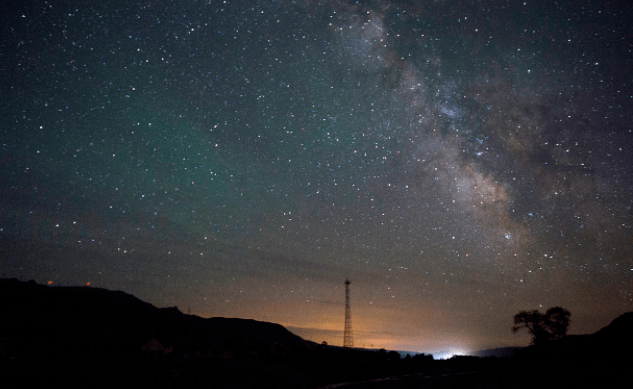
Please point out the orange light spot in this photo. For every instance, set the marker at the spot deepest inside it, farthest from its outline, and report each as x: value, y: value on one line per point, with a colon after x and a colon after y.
x: 50, y: 282
x: 87, y: 283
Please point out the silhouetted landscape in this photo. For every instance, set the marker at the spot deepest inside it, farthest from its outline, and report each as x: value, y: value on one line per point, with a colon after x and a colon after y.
x: 91, y: 337
x: 402, y: 191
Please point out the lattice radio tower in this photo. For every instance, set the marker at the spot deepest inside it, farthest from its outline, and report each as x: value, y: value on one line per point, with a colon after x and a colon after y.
x: 348, y: 335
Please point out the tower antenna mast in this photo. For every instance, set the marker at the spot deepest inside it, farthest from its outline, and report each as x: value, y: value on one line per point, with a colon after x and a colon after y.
x: 348, y: 335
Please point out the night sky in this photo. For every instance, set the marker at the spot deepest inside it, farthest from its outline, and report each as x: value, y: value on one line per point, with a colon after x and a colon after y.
x: 459, y: 161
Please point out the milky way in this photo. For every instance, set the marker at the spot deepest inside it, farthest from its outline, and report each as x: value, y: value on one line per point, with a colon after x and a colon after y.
x: 457, y: 161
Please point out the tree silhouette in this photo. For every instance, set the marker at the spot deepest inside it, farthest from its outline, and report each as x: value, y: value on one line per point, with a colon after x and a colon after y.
x: 557, y: 320
x: 534, y: 321
x: 551, y: 325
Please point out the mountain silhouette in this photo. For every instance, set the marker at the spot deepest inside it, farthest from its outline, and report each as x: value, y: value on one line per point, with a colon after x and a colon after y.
x: 601, y: 359
x: 67, y: 336
x: 603, y: 345
x: 620, y: 330
x: 86, y: 321
x: 84, y: 336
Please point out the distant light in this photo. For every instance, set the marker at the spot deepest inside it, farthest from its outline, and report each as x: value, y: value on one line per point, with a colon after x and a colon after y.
x: 50, y: 282
x: 87, y: 283
x: 449, y: 354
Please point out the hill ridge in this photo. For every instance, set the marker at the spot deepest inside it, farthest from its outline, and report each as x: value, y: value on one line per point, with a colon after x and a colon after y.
x: 93, y: 316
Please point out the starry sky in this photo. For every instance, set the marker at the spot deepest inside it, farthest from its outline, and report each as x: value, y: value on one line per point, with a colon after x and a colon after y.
x: 459, y: 161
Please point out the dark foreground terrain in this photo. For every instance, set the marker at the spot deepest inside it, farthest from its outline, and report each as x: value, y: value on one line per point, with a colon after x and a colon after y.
x: 66, y: 337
